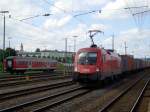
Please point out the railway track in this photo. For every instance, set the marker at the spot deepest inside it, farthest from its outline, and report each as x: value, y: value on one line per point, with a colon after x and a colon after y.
x: 30, y: 79
x: 128, y: 99
x: 31, y: 76
x: 38, y: 74
x: 37, y: 105
x: 17, y: 93
x: 142, y: 102
x: 96, y: 99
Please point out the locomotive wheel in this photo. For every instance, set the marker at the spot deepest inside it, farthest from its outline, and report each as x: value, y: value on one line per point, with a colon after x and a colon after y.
x: 51, y: 70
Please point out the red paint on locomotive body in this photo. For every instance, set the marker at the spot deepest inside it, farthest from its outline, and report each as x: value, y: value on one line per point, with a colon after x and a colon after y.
x: 96, y: 64
x: 87, y: 68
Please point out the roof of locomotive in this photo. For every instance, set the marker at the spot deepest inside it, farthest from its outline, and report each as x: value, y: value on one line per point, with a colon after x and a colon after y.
x: 94, y: 49
x: 105, y: 51
x: 89, y: 49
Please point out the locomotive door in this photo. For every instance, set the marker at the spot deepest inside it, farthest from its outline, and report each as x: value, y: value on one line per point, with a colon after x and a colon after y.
x: 103, y: 65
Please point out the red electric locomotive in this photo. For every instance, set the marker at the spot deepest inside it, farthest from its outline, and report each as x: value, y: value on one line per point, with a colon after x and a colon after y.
x: 16, y: 64
x: 94, y: 64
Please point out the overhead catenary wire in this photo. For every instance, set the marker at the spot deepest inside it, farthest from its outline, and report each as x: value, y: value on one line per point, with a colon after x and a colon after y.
x: 32, y: 38
x: 95, y: 11
x: 139, y: 17
x: 130, y: 11
x: 55, y: 6
x: 101, y: 10
x: 64, y: 11
x: 31, y: 17
x: 32, y: 25
x: 141, y: 12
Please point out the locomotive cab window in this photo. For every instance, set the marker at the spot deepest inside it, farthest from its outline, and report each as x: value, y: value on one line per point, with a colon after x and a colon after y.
x: 88, y: 58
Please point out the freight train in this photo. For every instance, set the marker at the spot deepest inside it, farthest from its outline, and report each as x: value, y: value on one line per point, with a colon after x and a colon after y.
x: 18, y: 64
x: 96, y: 64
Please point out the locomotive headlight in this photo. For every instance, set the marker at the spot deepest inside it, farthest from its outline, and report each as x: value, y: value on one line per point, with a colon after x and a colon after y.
x: 97, y: 69
x: 75, y: 69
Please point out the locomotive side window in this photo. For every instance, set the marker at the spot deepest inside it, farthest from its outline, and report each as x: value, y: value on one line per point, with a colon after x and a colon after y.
x: 87, y: 58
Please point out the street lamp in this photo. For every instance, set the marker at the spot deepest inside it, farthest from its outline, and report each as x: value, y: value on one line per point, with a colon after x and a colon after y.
x: 3, y: 12
x: 75, y: 42
x: 69, y: 48
x: 9, y: 44
x: 66, y: 42
x: 9, y: 38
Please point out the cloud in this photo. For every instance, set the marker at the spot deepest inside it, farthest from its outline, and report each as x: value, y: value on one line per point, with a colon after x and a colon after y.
x: 53, y: 23
x: 69, y: 6
x: 120, y: 9
x: 101, y: 27
x: 50, y: 32
x: 111, y: 9
x: 137, y: 42
x: 20, y: 8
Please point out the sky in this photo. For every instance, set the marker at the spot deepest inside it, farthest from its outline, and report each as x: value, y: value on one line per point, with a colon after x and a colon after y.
x: 68, y: 18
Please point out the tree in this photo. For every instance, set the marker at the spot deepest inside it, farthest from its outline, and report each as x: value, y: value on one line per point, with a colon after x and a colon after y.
x: 39, y: 56
x: 1, y: 55
x: 59, y: 59
x: 56, y: 58
x: 6, y: 53
x: 27, y: 55
x: 33, y: 55
x: 37, y: 50
x: 44, y: 56
x: 52, y: 57
x: 10, y: 52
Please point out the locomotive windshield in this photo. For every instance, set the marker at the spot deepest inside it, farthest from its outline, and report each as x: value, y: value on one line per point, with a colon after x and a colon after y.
x: 87, y: 58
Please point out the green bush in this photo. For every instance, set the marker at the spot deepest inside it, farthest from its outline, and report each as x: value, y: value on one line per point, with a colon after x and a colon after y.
x: 60, y: 66
x: 1, y: 66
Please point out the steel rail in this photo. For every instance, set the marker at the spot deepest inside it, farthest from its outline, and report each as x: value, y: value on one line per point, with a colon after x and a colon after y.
x: 15, y: 94
x: 16, y: 107
x: 33, y: 75
x: 12, y: 83
x: 38, y: 73
x: 61, y: 101
x: 105, y: 107
x: 139, y: 97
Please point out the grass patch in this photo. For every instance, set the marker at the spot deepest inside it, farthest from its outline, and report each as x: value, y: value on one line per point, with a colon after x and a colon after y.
x: 60, y: 67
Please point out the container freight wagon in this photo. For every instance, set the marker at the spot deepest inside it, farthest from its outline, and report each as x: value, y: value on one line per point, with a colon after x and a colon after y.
x: 137, y: 64
x: 127, y: 63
